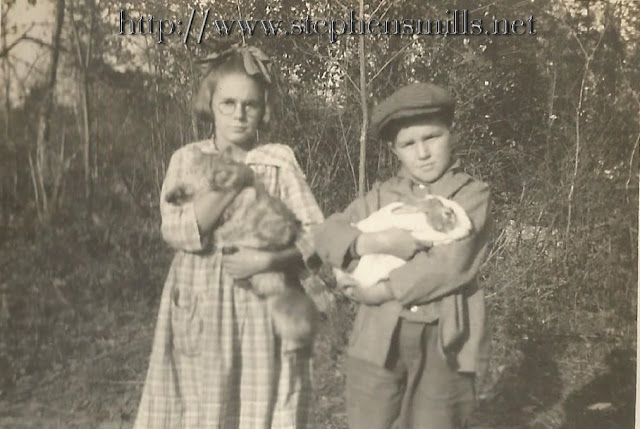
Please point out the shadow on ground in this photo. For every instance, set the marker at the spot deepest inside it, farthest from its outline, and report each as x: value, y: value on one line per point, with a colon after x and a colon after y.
x: 608, y: 401
x: 525, y: 388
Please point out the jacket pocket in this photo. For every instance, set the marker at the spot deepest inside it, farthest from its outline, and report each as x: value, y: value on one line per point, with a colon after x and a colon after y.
x: 186, y: 322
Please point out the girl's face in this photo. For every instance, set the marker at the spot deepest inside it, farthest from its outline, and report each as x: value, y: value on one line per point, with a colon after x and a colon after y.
x: 238, y: 107
x: 424, y: 149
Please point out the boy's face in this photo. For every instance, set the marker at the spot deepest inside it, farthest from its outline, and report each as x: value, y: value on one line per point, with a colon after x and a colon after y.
x: 424, y: 149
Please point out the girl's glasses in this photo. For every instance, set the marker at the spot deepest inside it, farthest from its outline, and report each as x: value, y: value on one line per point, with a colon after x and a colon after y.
x: 250, y: 108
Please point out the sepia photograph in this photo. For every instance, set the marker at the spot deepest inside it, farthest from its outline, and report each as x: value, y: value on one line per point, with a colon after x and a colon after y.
x: 342, y: 214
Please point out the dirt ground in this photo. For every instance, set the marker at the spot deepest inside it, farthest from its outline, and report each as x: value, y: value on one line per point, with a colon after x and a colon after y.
x: 98, y: 383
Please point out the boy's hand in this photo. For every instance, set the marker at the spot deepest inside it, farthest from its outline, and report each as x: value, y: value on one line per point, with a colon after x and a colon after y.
x: 374, y: 295
x: 393, y: 241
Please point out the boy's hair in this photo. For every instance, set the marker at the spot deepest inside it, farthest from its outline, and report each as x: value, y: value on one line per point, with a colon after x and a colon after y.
x: 389, y: 132
x: 232, y: 64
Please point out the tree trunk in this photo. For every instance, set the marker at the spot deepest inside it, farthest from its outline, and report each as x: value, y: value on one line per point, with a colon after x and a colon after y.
x: 84, y: 60
x: 4, y: 211
x: 365, y: 110
x: 88, y: 156
x: 40, y: 172
x: 44, y: 124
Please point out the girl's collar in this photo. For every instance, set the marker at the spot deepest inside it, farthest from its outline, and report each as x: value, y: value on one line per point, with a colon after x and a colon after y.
x: 212, y: 147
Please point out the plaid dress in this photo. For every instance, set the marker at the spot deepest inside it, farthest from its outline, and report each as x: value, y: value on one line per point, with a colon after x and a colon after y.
x: 215, y: 361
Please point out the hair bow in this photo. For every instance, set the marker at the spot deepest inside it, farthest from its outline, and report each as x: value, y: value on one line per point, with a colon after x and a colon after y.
x: 254, y: 59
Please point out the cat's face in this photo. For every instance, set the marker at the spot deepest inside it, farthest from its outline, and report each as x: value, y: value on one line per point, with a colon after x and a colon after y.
x: 224, y: 173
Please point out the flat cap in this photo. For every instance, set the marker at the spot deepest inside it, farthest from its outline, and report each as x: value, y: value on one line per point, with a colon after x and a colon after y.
x: 416, y: 99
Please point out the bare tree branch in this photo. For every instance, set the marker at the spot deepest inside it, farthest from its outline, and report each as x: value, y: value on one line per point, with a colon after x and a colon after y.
x: 588, y: 58
x: 24, y: 37
x: 375, y: 11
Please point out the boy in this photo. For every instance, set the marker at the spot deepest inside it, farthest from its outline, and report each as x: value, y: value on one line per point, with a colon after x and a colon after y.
x: 420, y: 336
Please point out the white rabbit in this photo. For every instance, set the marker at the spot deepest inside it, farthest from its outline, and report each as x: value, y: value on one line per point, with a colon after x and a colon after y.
x: 432, y: 221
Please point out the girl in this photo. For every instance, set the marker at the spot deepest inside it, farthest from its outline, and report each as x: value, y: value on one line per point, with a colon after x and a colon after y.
x: 216, y: 362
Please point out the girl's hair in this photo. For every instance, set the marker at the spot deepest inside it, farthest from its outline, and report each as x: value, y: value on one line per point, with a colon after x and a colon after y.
x: 234, y: 63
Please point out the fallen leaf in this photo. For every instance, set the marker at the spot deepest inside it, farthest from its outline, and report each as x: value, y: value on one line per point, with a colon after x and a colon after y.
x: 600, y: 406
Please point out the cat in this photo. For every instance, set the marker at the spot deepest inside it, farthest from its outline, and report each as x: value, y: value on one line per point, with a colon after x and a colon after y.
x: 432, y: 221
x: 258, y: 220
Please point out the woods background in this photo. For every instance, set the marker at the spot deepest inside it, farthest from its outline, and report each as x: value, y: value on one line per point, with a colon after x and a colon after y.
x: 90, y: 119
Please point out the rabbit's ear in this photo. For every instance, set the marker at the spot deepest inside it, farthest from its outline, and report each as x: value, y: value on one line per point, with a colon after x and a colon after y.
x: 391, y: 207
x: 404, y: 209
x: 429, y: 204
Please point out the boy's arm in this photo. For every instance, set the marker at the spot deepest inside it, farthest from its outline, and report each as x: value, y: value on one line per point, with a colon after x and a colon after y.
x: 443, y: 269
x: 334, y: 239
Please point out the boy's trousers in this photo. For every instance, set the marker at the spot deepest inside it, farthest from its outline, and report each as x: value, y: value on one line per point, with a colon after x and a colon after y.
x: 417, y: 389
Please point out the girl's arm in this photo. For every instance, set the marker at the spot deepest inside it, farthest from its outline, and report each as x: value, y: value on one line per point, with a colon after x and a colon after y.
x: 247, y: 262
x: 282, y: 259
x: 209, y: 207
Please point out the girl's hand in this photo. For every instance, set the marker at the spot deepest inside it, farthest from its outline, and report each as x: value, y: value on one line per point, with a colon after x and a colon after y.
x: 245, y: 262
x: 374, y: 295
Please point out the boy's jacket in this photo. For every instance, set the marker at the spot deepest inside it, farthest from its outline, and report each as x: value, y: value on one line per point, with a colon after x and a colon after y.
x: 436, y: 285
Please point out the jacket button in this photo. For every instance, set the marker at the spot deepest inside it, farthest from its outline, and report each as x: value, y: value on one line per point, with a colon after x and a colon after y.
x: 413, y: 308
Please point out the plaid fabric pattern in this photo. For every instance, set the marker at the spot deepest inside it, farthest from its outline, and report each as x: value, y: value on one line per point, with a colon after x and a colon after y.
x: 215, y: 361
